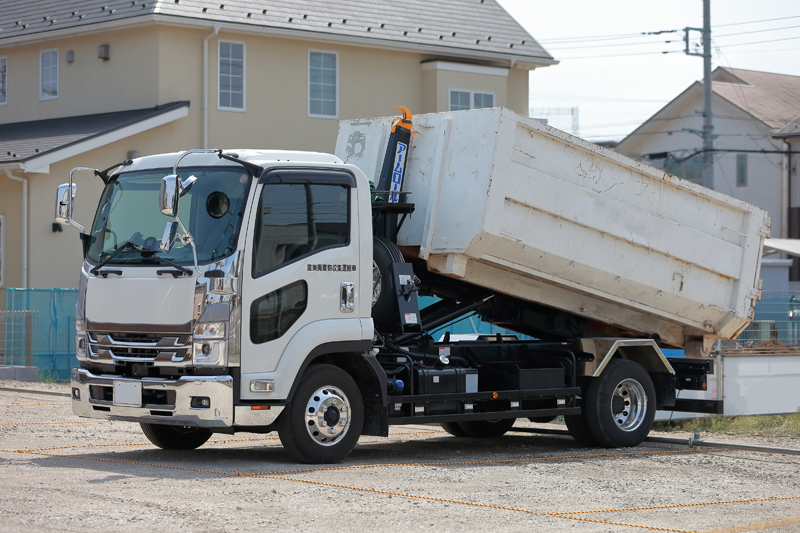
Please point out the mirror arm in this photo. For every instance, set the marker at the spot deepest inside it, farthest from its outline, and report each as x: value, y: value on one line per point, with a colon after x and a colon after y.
x: 71, y: 205
x: 103, y: 174
x: 191, y: 241
x: 255, y: 170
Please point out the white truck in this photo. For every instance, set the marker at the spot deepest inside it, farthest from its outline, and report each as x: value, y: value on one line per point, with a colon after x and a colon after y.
x: 282, y: 294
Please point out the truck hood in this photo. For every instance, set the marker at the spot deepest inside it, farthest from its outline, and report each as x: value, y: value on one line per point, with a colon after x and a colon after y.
x: 128, y: 300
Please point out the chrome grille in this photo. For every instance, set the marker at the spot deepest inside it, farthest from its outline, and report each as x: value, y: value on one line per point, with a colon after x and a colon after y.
x: 169, y: 349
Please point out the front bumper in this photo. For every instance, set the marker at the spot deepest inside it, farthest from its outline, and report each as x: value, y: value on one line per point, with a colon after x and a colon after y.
x: 96, y: 399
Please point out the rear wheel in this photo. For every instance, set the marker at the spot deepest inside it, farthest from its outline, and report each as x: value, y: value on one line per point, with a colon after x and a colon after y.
x: 487, y: 429
x: 454, y: 429
x: 176, y: 437
x: 620, y: 405
x: 323, y: 421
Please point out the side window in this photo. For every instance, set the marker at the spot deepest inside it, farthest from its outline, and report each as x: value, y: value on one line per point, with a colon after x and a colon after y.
x: 3, y: 83
x: 273, y: 314
x: 48, y: 75
x: 295, y: 220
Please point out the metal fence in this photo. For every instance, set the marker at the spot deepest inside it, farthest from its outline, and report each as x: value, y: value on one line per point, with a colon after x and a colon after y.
x: 38, y: 329
x: 775, y: 327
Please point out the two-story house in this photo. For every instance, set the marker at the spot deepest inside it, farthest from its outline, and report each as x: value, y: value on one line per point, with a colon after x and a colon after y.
x: 92, y: 83
x: 750, y: 163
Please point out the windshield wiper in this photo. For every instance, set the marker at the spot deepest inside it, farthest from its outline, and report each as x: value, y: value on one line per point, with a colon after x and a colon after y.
x: 179, y: 270
x: 127, y: 245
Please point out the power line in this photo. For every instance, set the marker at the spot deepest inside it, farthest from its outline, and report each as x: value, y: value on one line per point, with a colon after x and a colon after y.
x: 619, y: 36
x: 755, y: 31
x: 624, y: 55
x: 555, y: 49
x: 756, y: 21
x: 617, y: 44
x: 595, y: 98
x: 612, y: 37
x: 758, y: 42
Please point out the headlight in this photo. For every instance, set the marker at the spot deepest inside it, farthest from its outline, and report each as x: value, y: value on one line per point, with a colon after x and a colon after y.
x: 80, y: 338
x: 210, y: 353
x: 209, y: 330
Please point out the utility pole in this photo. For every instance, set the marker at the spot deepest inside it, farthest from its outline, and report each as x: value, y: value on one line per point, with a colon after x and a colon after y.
x: 708, y: 126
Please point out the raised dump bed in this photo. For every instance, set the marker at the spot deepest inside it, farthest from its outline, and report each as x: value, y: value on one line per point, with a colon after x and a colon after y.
x: 510, y: 204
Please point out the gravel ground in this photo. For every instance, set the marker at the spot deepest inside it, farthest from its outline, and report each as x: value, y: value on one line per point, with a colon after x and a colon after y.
x: 61, y: 472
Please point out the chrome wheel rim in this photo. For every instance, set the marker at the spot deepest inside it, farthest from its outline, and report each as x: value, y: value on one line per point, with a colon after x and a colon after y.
x: 328, y: 415
x: 376, y: 283
x: 629, y: 405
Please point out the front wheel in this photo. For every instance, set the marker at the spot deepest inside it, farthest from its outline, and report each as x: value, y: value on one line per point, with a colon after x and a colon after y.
x: 175, y: 437
x: 323, y: 421
x: 620, y: 405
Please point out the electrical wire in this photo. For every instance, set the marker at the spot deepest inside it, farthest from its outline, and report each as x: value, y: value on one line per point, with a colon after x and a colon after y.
x: 756, y: 21
x: 623, y: 55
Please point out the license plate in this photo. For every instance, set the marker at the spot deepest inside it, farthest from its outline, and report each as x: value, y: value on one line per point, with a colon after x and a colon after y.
x: 128, y: 393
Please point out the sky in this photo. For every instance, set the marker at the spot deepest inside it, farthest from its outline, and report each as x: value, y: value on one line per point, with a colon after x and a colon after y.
x: 617, y: 77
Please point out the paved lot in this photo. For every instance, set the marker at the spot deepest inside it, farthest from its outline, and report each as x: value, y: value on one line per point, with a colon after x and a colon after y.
x: 61, y: 472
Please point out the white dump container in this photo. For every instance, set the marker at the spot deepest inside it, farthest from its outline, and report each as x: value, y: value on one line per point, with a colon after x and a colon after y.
x: 510, y: 204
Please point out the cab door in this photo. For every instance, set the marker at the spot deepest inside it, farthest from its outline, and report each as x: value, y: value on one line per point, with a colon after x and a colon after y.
x: 300, y: 275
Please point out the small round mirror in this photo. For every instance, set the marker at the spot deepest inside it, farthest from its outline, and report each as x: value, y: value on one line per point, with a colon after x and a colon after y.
x: 217, y: 204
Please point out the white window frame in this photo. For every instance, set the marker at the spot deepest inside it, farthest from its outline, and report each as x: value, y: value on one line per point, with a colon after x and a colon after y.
x: 220, y: 107
x: 472, y: 93
x: 41, y: 64
x: 2, y: 250
x: 308, y: 74
x: 4, y: 60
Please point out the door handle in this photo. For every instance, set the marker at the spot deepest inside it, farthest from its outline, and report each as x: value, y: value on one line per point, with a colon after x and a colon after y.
x: 348, y: 297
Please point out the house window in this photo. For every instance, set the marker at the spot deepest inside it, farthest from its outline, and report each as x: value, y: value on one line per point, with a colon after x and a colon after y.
x: 48, y: 75
x: 231, y: 76
x: 741, y: 170
x: 323, y: 82
x: 690, y: 169
x: 462, y: 99
x: 3, y: 82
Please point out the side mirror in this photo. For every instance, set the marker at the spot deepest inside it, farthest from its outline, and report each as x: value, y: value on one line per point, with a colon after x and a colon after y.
x: 64, y: 201
x: 169, y: 194
x: 168, y: 239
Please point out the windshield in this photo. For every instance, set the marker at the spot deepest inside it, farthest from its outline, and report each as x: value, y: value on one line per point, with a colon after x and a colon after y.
x: 128, y: 213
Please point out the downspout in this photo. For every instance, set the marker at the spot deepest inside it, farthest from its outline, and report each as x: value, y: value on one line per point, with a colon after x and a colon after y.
x: 24, y: 182
x: 205, y: 83
x: 786, y: 189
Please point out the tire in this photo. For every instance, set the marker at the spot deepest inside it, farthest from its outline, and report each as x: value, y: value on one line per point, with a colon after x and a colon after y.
x: 487, y: 429
x: 579, y: 429
x: 620, y: 405
x: 541, y: 419
x: 175, y: 437
x: 454, y: 429
x: 323, y: 389
x: 384, y: 253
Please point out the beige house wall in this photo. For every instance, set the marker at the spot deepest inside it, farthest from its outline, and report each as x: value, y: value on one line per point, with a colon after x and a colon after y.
x: 157, y: 64
x: 11, y: 208
x: 89, y: 85
x: 518, y: 91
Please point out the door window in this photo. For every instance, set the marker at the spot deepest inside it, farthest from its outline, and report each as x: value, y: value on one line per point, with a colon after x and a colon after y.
x: 297, y: 220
